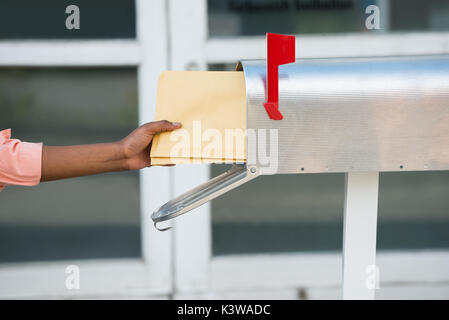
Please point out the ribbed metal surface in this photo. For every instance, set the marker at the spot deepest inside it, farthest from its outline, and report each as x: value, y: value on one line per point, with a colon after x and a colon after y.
x: 355, y: 114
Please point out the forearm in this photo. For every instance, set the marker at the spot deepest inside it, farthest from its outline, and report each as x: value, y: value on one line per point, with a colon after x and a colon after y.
x: 130, y: 153
x: 81, y: 160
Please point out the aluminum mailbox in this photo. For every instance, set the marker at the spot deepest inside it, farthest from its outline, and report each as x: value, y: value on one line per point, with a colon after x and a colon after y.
x: 339, y: 115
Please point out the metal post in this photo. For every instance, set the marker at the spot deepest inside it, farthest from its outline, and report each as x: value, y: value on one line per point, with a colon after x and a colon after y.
x: 360, y: 274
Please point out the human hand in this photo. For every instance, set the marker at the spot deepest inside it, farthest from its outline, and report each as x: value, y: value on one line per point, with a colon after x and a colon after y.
x: 136, y: 146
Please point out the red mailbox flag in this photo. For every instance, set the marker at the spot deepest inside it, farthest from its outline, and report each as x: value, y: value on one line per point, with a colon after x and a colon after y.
x: 280, y: 50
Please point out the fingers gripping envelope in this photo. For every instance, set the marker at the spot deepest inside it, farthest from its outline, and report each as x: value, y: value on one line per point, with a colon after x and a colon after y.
x: 212, y: 109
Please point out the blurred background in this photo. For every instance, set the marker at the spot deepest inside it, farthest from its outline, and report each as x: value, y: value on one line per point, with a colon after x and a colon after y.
x: 275, y: 237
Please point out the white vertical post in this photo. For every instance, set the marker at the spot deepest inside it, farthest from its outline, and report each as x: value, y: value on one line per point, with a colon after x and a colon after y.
x: 360, y: 274
x: 155, y: 188
x: 192, y: 245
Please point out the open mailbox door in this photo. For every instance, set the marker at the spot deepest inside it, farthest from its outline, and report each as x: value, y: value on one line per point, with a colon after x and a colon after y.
x: 339, y: 115
x: 236, y: 176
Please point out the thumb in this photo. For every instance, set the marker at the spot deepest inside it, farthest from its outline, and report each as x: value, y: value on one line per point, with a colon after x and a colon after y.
x: 160, y: 126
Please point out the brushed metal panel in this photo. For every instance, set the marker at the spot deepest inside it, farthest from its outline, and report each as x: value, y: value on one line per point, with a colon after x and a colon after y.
x: 355, y: 114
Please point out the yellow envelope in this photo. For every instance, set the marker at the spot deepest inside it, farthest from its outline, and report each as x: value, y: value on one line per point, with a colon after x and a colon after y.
x: 211, y: 105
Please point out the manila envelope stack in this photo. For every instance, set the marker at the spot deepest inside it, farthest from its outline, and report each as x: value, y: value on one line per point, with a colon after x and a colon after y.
x: 211, y: 106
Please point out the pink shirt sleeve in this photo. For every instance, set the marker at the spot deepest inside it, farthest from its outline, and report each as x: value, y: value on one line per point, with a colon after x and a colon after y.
x: 20, y: 162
